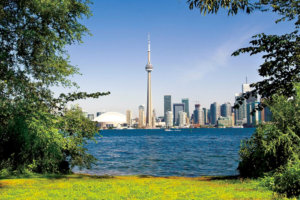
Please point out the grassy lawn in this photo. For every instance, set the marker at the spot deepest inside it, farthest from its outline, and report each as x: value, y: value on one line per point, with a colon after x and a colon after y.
x: 131, y: 187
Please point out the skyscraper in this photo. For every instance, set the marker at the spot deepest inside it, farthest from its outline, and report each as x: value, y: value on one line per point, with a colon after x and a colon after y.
x: 241, y: 112
x: 253, y: 119
x: 167, y: 105
x: 205, y: 114
x: 223, y: 110
x: 176, y: 108
x: 198, y: 115
x: 182, y: 116
x: 208, y: 116
x: 215, y: 112
x: 169, y: 119
x: 141, y: 116
x: 226, y: 110
x: 246, y: 88
x: 128, y: 117
x: 186, y: 106
x: 149, y: 69
x: 154, y: 118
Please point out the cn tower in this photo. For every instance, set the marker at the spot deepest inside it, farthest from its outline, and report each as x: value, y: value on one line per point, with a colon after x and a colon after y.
x: 149, y: 69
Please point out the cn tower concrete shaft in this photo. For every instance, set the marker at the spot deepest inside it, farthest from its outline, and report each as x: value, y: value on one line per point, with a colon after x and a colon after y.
x: 149, y: 69
x: 149, y: 102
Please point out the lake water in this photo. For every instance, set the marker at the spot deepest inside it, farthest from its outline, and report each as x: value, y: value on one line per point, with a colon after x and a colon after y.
x: 188, y: 152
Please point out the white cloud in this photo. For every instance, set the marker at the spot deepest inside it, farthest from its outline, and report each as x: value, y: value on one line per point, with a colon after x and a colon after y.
x: 219, y: 58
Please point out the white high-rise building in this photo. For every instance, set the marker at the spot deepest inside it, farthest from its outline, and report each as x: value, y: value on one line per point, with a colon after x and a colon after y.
x: 182, y: 118
x: 154, y: 119
x: 141, y: 116
x: 169, y: 119
x: 129, y: 118
x: 246, y: 88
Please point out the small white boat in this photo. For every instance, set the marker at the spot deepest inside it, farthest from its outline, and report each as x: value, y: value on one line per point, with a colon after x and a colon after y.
x: 177, y: 130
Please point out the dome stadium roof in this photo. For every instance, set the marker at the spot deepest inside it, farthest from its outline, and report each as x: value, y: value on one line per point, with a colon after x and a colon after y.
x: 111, y: 117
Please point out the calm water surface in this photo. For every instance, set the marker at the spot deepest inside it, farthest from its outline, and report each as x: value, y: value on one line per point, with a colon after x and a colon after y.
x: 188, y: 152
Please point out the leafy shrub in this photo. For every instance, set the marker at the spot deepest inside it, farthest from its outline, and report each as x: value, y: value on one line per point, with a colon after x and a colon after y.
x: 46, y: 143
x: 267, y: 150
x: 288, y: 182
x: 273, y: 145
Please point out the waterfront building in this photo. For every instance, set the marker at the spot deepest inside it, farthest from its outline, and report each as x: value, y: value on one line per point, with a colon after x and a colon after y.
x: 135, y: 122
x: 224, y: 122
x: 192, y: 118
x: 223, y: 110
x: 246, y: 87
x: 253, y: 116
x: 129, y: 118
x: 111, y: 120
x: 187, y: 120
x: 226, y: 110
x: 154, y: 118
x: 198, y: 115
x: 91, y: 116
x: 182, y: 116
x: 186, y: 106
x: 169, y: 119
x: 149, y: 69
x: 208, y: 116
x: 176, y: 108
x: 205, y: 116
x: 142, y: 119
x: 215, y: 112
x: 241, y: 112
x: 167, y: 104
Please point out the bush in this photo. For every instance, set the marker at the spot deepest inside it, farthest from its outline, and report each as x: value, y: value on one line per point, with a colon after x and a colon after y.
x: 273, y: 145
x: 267, y: 150
x: 47, y: 143
x: 288, y: 182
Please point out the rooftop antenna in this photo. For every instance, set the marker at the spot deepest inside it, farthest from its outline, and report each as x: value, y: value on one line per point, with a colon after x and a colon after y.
x: 246, y: 80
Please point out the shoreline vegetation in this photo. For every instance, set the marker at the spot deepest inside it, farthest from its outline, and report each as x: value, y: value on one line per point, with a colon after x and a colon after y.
x: 85, y: 186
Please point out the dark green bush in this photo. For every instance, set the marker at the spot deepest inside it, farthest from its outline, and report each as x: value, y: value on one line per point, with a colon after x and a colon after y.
x: 288, y: 182
x: 274, y: 144
x: 47, y: 143
x: 267, y: 150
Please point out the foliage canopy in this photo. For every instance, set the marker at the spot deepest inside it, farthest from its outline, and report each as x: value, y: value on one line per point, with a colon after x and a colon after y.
x: 33, y: 37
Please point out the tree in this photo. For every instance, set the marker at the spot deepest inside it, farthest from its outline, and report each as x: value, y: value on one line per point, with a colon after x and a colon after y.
x: 33, y: 37
x: 274, y: 144
x: 281, y: 53
x: 274, y: 149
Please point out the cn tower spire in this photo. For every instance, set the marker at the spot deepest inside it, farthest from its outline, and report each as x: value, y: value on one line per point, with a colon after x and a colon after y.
x: 149, y: 50
x: 149, y: 69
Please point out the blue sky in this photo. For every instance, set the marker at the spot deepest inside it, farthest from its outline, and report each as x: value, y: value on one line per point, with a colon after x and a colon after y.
x: 190, y: 53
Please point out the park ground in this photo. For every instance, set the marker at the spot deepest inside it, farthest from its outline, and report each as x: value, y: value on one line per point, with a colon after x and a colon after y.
x: 132, y: 187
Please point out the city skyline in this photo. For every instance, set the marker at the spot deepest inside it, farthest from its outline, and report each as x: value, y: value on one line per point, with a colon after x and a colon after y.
x: 192, y: 54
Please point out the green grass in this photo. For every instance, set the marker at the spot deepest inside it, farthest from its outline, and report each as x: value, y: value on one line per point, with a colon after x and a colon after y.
x: 131, y: 187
